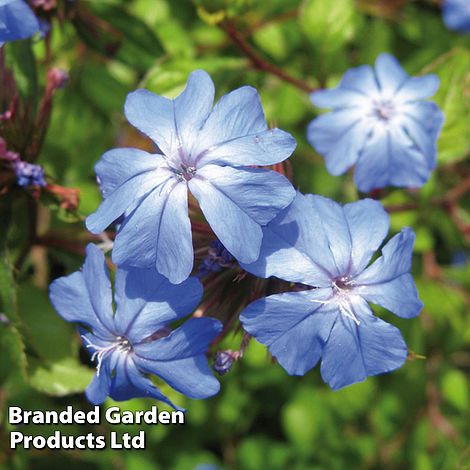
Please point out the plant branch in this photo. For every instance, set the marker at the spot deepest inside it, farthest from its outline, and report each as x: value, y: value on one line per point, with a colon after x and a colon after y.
x: 259, y: 62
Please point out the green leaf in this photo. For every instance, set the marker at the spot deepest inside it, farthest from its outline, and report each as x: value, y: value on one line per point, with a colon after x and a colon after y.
x: 60, y: 378
x: 115, y: 32
x: 20, y: 59
x: 13, y: 359
x: 51, y: 337
x: 302, y: 419
x: 329, y: 24
x: 271, y: 39
x: 453, y: 98
x: 455, y: 389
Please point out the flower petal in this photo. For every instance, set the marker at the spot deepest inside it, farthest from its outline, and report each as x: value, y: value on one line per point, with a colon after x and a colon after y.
x: 354, y: 352
x: 237, y: 202
x: 192, y: 107
x: 294, y: 326
x: 390, y: 75
x: 154, y: 116
x: 146, y: 301
x: 127, y: 382
x: 296, y: 245
x: 418, y: 88
x: 190, y: 339
x: 85, y: 296
x: 373, y: 167
x: 339, y: 97
x: 264, y: 148
x: 180, y: 359
x: 387, y: 281
x: 339, y: 137
x: 123, y: 199
x: 156, y: 231
x: 368, y: 225
x: 17, y: 21
x: 236, y: 114
x: 361, y: 79
x: 409, y: 166
x: 119, y: 165
x: 98, y: 389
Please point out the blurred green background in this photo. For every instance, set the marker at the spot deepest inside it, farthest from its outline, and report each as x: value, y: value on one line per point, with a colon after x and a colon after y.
x: 416, y: 418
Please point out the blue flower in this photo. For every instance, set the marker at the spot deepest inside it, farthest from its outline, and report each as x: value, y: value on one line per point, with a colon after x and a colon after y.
x: 17, y: 21
x: 456, y: 14
x: 208, y: 151
x: 136, y: 340
x: 380, y: 124
x: 319, y: 243
x: 29, y: 174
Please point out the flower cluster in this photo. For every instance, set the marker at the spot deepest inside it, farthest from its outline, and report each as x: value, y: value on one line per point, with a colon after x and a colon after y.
x: 27, y: 174
x: 380, y: 124
x: 217, y: 153
x: 320, y: 244
x: 135, y: 340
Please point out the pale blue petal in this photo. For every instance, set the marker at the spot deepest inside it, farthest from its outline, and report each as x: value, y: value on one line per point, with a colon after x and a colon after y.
x: 17, y: 21
x: 192, y: 338
x: 157, y: 230
x: 85, y: 296
x: 124, y: 199
x: 395, y: 260
x: 96, y: 277
x: 154, y: 116
x: 387, y: 283
x: 192, y: 107
x: 98, y: 389
x: 296, y: 248
x: 294, y: 326
x: 180, y: 359
x: 418, y: 88
x: 237, y: 202
x: 368, y: 225
x: 119, y: 165
x: 361, y: 79
x: 237, y: 114
x: 339, y: 137
x: 339, y: 97
x: 333, y: 225
x: 399, y: 295
x: 265, y: 148
x: 355, y: 351
x: 409, y: 166
x: 373, y: 167
x: 191, y: 376
x: 146, y: 302
x: 428, y: 115
x: 174, y: 237
x: 127, y: 382
x: 456, y: 14
x: 390, y: 74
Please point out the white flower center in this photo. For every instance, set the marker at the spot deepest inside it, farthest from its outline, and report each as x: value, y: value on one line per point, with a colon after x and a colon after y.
x: 384, y: 110
x: 342, y: 292
x: 120, y: 344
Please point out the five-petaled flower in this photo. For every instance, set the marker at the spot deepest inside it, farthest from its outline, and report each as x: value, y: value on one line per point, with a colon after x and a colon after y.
x: 381, y: 124
x: 319, y: 243
x: 17, y: 21
x: 456, y: 14
x: 136, y: 340
x: 207, y: 150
